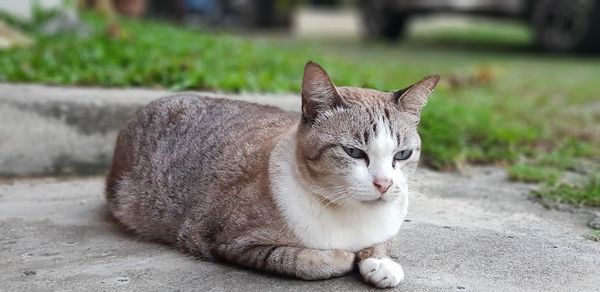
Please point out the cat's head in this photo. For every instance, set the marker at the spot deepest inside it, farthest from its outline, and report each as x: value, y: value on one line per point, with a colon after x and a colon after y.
x: 358, y: 145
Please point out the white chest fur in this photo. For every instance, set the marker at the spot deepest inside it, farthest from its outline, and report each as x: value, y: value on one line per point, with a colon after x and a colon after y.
x: 348, y: 227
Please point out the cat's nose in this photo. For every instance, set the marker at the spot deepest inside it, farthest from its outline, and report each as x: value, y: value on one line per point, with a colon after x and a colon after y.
x: 382, y: 184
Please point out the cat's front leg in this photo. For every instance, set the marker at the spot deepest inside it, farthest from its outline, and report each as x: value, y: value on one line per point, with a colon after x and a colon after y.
x: 378, y: 269
x: 299, y: 262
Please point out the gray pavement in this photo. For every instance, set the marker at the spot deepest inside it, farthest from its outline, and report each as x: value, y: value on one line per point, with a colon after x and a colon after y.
x: 473, y: 232
x: 47, y: 130
x: 476, y: 233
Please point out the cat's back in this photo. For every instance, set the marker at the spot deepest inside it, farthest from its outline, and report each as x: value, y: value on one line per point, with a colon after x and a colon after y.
x: 188, y: 151
x: 205, y: 129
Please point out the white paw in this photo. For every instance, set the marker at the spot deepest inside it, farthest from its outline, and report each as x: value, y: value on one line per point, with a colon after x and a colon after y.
x: 382, y: 273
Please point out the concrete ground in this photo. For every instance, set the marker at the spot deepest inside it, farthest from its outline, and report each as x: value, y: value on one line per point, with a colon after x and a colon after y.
x: 476, y: 233
x: 473, y: 232
x: 46, y: 130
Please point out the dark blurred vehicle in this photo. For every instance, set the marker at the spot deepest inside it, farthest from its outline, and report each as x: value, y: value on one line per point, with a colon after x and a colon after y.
x: 558, y: 25
x: 234, y: 13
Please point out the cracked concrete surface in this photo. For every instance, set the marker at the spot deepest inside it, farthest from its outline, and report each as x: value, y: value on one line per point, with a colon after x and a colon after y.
x: 477, y: 233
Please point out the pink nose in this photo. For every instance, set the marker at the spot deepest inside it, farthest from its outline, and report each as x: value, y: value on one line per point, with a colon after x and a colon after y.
x: 382, y: 185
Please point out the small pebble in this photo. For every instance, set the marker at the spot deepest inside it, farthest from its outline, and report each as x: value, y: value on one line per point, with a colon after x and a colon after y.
x: 595, y: 223
x: 123, y: 281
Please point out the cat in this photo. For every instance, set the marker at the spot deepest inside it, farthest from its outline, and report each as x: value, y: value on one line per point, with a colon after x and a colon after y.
x: 309, y: 195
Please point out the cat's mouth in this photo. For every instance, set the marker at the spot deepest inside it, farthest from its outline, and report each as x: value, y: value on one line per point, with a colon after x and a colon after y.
x: 375, y: 202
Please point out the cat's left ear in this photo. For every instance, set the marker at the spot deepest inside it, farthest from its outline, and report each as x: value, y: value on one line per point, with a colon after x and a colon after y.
x: 413, y: 98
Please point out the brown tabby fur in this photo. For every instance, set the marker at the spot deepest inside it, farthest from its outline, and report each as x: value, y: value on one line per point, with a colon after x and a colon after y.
x: 193, y: 172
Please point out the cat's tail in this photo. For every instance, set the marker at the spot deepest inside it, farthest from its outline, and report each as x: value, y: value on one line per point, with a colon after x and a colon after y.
x: 120, y: 165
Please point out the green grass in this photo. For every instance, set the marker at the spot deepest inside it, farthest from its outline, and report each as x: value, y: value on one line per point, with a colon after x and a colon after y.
x: 532, y: 174
x: 593, y: 235
x: 150, y: 54
x: 480, y: 35
x: 498, y: 101
x: 586, y: 193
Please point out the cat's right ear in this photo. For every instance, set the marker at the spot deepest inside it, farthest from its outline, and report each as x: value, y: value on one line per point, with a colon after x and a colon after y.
x: 413, y: 98
x: 318, y: 92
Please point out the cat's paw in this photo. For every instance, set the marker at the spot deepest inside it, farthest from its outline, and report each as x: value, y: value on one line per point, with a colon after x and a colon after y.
x: 382, y: 273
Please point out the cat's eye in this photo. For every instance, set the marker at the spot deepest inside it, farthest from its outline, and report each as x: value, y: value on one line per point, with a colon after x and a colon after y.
x: 403, y: 155
x: 355, y: 152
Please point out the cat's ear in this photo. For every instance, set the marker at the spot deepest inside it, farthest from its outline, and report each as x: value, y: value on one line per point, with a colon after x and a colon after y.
x: 413, y: 98
x: 318, y: 92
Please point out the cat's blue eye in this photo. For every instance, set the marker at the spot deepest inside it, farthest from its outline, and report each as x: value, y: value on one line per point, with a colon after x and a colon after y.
x: 403, y: 155
x: 355, y: 152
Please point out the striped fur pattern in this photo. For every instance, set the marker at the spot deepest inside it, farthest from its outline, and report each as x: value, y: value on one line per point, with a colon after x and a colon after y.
x: 272, y: 190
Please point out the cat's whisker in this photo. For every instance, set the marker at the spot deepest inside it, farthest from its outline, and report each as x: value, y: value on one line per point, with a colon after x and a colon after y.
x: 345, y: 195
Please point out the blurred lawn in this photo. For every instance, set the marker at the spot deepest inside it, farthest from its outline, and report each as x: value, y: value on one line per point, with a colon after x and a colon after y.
x: 498, y: 103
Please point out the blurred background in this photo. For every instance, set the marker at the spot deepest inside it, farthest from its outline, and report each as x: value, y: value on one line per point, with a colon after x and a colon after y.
x: 519, y: 83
